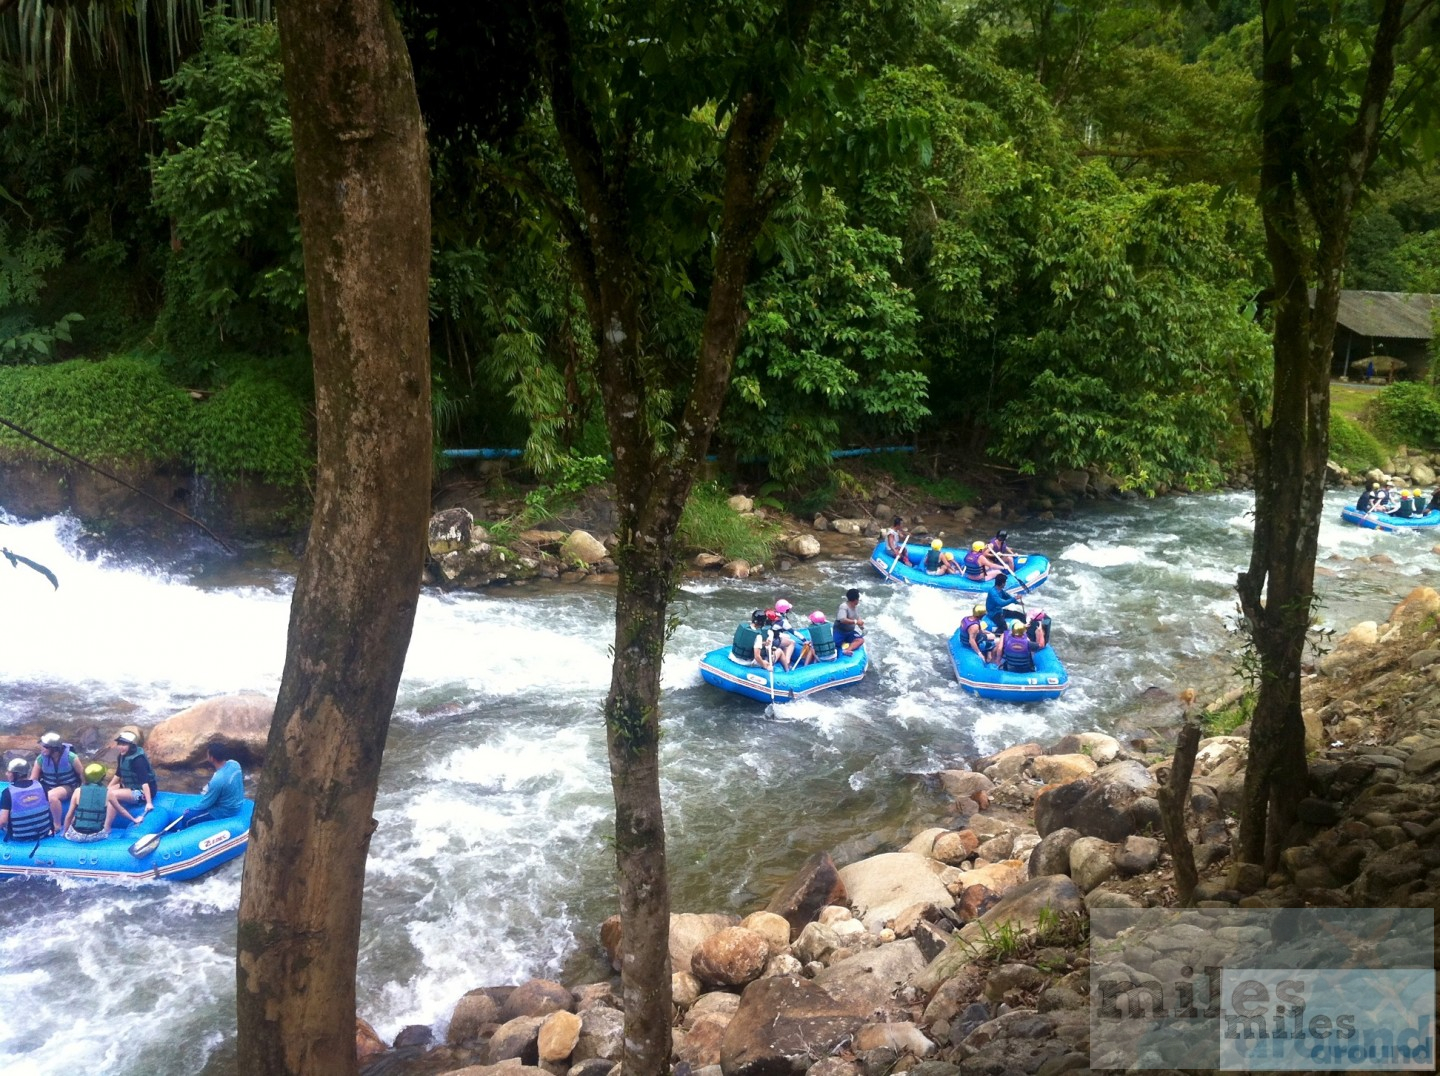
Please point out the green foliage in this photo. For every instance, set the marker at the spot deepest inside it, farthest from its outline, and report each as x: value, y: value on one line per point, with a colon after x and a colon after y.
x: 226, y: 181
x: 1408, y: 412
x: 1352, y: 446
x: 119, y: 412
x: 572, y: 475
x: 944, y: 489
x: 253, y: 427
x: 709, y: 523
x: 1225, y: 721
x: 24, y: 258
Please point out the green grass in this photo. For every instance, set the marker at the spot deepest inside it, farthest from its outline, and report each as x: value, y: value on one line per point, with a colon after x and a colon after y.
x: 1352, y: 446
x: 1224, y: 722
x: 709, y: 524
x: 942, y: 488
x: 1349, y: 401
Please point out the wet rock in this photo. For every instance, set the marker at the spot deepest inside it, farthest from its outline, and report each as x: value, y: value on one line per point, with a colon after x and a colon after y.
x: 367, y: 1043
x: 241, y: 721
x: 473, y: 1014
x: 737, y: 569
x: 538, y: 997
x: 883, y: 886
x: 816, y: 884
x: 783, y: 1026
x: 731, y: 957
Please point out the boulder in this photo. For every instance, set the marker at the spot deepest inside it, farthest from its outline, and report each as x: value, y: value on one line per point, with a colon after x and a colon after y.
x: 775, y: 929
x: 883, y: 886
x: 703, y: 1039
x: 1020, y: 910
x: 955, y: 846
x: 367, y: 1043
x: 685, y: 989
x: 413, y: 1035
x: 816, y: 884
x: 852, y: 527
x: 1092, y: 861
x: 689, y: 929
x: 1103, y: 749
x: 242, y: 721
x: 783, y: 1026
x: 1421, y: 474
x: 1140, y: 855
x: 1350, y: 649
x: 707, y: 561
x: 741, y: 503
x: 803, y: 546
x: 1112, y: 803
x: 516, y: 1038
x: 449, y: 531
x: 538, y: 997
x: 737, y: 569
x: 716, y: 1003
x: 602, y: 1034
x: 1416, y: 609
x: 610, y: 939
x: 473, y: 1014
x: 1060, y: 769
x: 997, y: 878
x: 731, y: 957
x: 870, y: 979
x: 961, y: 783
x: 558, y: 1036
x: 899, y: 1037
x: 582, y: 547
x: 816, y: 942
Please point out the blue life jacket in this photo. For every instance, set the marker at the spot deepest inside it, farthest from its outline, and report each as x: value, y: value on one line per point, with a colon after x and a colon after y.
x: 983, y: 641
x: 89, y: 809
x: 974, y: 569
x: 61, y: 773
x: 1015, y: 655
x: 743, y: 647
x: 822, y: 640
x: 29, y: 813
x: 932, y: 561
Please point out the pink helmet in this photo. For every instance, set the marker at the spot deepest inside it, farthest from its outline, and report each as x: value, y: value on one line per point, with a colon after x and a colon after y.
x: 782, y: 607
x: 817, y: 617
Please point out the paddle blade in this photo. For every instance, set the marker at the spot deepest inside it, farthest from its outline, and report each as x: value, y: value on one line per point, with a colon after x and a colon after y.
x: 145, y: 845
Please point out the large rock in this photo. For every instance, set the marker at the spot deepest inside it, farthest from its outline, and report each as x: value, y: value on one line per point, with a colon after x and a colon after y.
x: 783, y: 1026
x: 1020, y: 911
x: 1114, y: 802
x: 1059, y: 769
x: 558, y: 1036
x: 732, y: 957
x: 1418, y: 607
x: 582, y: 547
x: 869, y: 980
x: 815, y: 885
x: 775, y: 929
x: 517, y: 1038
x: 804, y: 546
x: 242, y: 721
x: 1098, y: 746
x: 702, y: 1041
x: 1052, y: 854
x: 1350, y: 649
x: 367, y: 1043
x: 1092, y: 861
x: 473, y: 1014
x: 450, y: 531
x: 883, y: 886
x: 689, y: 929
x: 537, y: 997
x: 602, y: 1034
x: 960, y: 783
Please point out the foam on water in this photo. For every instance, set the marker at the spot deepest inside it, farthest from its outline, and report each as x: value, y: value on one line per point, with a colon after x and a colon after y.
x: 491, y: 861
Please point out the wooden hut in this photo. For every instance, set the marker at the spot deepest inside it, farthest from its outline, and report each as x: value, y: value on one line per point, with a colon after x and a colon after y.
x: 1384, y: 323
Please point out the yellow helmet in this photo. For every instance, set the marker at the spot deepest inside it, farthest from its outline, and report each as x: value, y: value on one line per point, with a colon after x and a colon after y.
x: 936, y: 544
x: 975, y: 547
x: 979, y: 610
x: 94, y: 773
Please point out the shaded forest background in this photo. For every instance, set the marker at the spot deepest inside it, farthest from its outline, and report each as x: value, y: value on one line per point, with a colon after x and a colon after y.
x: 1029, y: 237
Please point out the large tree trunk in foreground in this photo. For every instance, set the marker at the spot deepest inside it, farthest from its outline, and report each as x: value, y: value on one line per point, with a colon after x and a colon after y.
x: 1291, y: 449
x: 363, y: 180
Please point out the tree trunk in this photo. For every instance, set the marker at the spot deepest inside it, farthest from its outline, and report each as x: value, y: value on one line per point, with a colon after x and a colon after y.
x: 363, y: 182
x: 1173, y: 798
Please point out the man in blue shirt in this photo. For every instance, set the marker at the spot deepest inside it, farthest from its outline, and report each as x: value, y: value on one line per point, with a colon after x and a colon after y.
x: 225, y: 794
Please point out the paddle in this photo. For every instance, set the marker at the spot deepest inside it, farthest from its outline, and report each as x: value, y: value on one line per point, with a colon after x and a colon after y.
x: 147, y: 844
x: 890, y: 570
x: 770, y: 709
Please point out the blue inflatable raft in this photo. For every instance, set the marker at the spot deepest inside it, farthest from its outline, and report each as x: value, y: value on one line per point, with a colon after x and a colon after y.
x: 1031, y: 570
x: 181, y: 854
x: 1048, y: 681
x: 720, y: 668
x: 1379, y: 521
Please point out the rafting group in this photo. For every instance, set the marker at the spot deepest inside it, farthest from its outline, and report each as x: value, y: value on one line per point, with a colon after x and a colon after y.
x: 1383, y: 507
x: 999, y: 651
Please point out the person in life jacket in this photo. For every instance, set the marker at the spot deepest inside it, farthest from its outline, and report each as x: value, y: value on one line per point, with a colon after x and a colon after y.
x: 134, y: 781
x: 998, y: 608
x: 1368, y: 497
x: 849, y: 624
x: 932, y: 558
x: 1406, y: 508
x: 1017, y: 650
x: 822, y: 645
x: 949, y: 565
x: 1434, y: 500
x: 974, y: 565
x: 783, y: 608
x: 1039, y: 622
x: 977, y: 637
x: 772, y: 646
x: 742, y: 647
x: 895, y: 543
x: 58, y: 770
x: 24, y: 807
x: 999, y: 551
x: 86, y: 818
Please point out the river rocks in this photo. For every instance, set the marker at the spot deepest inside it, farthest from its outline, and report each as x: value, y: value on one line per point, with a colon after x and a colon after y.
x: 853, y: 527
x: 816, y: 884
x: 775, y: 929
x: 602, y: 1034
x: 699, y: 1044
x: 1097, y: 746
x: 883, y: 886
x: 955, y: 846
x: 474, y: 1014
x: 517, y: 1038
x: 1355, y: 646
x: 1061, y: 769
x: 783, y: 1026
x: 367, y: 1043
x: 242, y: 721
x: 449, y: 530
x: 689, y: 929
x: 960, y: 783
x: 538, y: 997
x: 868, y: 981
x: 1114, y: 802
x: 731, y: 957
x: 1092, y: 861
x: 582, y: 547
x: 1052, y: 854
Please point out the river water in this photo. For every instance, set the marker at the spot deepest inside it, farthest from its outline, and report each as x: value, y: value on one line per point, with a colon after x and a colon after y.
x: 491, y: 862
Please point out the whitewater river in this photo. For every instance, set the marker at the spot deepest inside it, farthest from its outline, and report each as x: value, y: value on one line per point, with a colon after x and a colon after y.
x: 490, y: 864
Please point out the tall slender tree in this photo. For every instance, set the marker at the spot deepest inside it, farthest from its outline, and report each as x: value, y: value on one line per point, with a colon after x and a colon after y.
x: 363, y: 187
x: 1323, y: 120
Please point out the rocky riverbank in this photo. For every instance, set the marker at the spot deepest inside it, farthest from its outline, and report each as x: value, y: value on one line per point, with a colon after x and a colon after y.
x: 965, y: 950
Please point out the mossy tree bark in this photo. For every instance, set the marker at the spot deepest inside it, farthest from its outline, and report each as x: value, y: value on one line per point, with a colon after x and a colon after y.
x: 363, y: 180
x: 1310, y: 181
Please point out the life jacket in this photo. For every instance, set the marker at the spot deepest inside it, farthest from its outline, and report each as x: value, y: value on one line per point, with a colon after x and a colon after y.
x: 129, y: 770
x: 29, y: 813
x: 1366, y: 500
x: 60, y: 774
x: 974, y: 567
x: 89, y: 809
x: 998, y: 545
x: 932, y: 561
x: 1015, y: 654
x: 743, y: 648
x: 1407, y: 507
x: 822, y: 640
x: 983, y: 641
x: 770, y: 648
